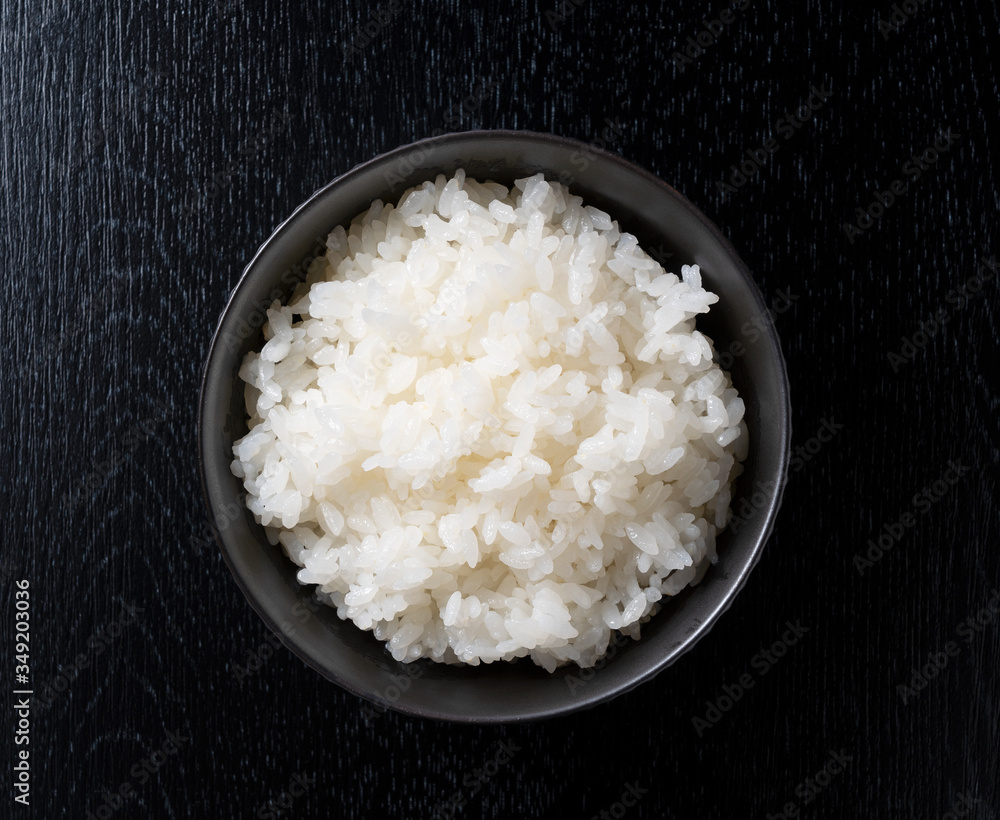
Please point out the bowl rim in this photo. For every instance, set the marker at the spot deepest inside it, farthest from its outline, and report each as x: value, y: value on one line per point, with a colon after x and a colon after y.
x: 769, y: 511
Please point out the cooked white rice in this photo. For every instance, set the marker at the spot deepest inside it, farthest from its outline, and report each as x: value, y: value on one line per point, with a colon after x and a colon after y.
x: 486, y: 427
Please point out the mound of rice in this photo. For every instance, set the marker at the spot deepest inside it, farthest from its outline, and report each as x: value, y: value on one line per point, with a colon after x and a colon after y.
x: 486, y: 427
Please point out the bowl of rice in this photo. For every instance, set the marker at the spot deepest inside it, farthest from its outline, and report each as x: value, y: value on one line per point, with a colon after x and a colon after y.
x: 483, y: 435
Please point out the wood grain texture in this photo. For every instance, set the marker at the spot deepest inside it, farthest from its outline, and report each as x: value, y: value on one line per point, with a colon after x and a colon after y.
x: 147, y: 150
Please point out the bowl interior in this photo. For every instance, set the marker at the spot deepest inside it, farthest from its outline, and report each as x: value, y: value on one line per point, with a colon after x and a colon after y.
x: 666, y: 225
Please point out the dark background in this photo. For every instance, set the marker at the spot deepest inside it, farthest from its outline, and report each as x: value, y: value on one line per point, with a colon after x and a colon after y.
x: 146, y: 151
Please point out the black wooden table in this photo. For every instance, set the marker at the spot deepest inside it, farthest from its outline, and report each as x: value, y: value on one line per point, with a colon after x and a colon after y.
x: 148, y: 149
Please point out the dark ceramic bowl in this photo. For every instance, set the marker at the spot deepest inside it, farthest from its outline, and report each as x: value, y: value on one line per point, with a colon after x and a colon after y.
x: 665, y: 223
